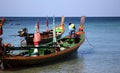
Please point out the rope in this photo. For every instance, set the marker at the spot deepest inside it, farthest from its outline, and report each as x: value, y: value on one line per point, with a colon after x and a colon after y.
x: 89, y: 42
x: 82, y: 21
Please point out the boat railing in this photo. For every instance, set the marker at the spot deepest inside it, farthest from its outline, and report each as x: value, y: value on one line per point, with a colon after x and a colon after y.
x: 28, y: 48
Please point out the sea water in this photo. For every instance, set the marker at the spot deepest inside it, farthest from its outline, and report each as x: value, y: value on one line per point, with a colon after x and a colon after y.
x: 100, y: 53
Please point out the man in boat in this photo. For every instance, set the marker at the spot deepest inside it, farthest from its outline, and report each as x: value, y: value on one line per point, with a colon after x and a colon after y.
x: 23, y: 32
x: 72, y: 29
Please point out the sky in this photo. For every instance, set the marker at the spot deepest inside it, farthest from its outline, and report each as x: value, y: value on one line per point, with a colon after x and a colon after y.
x: 71, y: 8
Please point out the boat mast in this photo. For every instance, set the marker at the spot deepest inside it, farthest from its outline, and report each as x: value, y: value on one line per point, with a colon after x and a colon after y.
x: 54, y: 33
x: 82, y: 21
x: 47, y: 24
x: 62, y: 23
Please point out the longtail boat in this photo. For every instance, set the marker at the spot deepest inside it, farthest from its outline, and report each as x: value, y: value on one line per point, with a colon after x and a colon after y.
x: 47, y: 35
x: 45, y: 53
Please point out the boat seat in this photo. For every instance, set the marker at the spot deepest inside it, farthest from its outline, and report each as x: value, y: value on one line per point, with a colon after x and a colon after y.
x: 47, y: 52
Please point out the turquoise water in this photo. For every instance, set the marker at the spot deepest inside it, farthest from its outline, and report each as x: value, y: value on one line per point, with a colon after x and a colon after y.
x: 100, y: 52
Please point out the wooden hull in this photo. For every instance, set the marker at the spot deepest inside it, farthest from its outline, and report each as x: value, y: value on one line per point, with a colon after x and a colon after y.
x: 14, y: 63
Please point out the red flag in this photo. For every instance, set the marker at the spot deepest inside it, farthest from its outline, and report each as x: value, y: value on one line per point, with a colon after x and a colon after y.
x: 37, y: 36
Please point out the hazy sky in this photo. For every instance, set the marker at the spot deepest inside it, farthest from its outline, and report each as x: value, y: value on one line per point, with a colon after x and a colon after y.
x: 59, y: 7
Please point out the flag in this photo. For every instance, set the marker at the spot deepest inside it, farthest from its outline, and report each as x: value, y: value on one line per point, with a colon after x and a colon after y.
x: 54, y: 32
x: 37, y: 37
x: 37, y: 27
